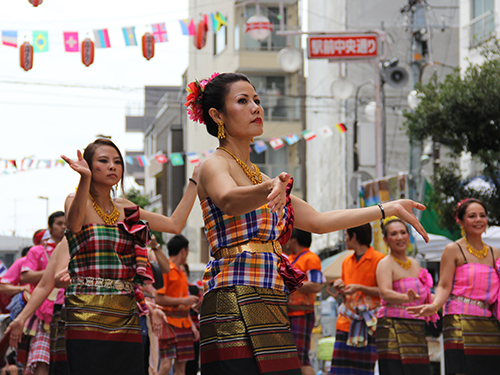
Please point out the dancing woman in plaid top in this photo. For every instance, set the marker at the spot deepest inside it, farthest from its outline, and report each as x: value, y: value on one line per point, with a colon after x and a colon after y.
x: 106, y: 241
x: 244, y: 324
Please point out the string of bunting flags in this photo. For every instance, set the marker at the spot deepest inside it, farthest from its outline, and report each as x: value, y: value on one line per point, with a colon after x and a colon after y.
x: 85, y: 43
x: 29, y: 163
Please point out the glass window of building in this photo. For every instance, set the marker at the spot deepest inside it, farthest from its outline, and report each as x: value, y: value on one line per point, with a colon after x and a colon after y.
x: 483, y: 28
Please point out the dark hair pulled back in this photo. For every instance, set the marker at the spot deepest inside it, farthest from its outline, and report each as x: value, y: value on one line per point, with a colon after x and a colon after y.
x: 461, y: 207
x: 214, y: 96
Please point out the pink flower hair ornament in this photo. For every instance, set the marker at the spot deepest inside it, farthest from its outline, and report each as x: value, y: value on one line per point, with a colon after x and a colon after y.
x: 458, y: 206
x: 193, y: 101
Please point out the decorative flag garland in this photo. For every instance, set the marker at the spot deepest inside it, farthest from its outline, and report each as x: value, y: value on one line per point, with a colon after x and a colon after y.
x: 101, y: 38
x: 11, y: 166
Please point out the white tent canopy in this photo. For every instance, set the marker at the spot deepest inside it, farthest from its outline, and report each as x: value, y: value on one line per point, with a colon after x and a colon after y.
x: 433, y: 250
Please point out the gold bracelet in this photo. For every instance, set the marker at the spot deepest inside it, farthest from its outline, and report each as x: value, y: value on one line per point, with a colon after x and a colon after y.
x: 435, y: 305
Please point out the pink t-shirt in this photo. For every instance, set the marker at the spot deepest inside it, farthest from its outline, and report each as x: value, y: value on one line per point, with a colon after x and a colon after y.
x: 13, y: 275
x: 36, y: 260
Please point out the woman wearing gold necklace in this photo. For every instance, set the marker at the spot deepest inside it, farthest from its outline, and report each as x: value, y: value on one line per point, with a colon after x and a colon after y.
x: 106, y: 239
x: 248, y: 215
x: 468, y: 287
x: 402, y: 283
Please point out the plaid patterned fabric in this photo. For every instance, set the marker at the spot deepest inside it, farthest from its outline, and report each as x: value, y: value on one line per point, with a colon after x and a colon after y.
x: 39, y: 349
x: 302, y: 327
x: 58, y: 360
x: 348, y: 360
x: 259, y: 225
x: 259, y: 270
x: 107, y: 251
x: 183, y: 349
x: 252, y: 269
x: 363, y: 323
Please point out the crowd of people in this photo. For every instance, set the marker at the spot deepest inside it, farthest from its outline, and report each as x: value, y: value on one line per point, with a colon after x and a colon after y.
x: 93, y: 298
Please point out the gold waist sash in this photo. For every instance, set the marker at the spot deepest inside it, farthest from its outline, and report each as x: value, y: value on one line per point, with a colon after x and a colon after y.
x: 251, y: 247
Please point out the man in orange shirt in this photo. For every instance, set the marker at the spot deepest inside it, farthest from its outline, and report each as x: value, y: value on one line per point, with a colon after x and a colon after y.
x: 301, y: 302
x: 354, y: 351
x: 176, y: 302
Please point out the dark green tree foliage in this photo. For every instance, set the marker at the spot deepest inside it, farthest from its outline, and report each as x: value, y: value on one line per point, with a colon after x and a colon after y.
x: 142, y: 201
x: 463, y: 112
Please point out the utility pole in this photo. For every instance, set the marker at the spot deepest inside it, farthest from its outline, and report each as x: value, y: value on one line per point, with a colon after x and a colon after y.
x: 419, y: 35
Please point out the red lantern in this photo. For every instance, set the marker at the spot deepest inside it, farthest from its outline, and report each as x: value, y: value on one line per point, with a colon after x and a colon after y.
x: 148, y: 46
x: 258, y: 27
x: 26, y: 56
x: 36, y: 3
x: 87, y: 52
x: 200, y: 37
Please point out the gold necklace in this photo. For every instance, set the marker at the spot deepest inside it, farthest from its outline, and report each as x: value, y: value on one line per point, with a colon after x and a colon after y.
x: 480, y: 254
x: 110, y: 219
x: 255, y: 177
x: 406, y: 265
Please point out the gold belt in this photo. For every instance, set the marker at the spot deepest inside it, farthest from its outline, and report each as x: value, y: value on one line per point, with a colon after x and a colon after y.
x: 251, y: 247
x: 103, y: 283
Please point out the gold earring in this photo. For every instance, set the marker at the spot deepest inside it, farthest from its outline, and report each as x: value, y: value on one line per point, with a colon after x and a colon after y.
x: 485, y: 230
x: 252, y: 140
x: 220, y: 130
x: 462, y: 231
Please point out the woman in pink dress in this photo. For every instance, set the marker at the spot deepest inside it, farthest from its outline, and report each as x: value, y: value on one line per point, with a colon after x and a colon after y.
x: 400, y: 337
x: 468, y: 286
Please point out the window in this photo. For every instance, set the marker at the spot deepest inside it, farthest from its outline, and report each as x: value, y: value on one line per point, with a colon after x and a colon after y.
x: 484, y: 27
x: 273, y: 162
x: 273, y: 41
x: 278, y: 106
x: 220, y: 40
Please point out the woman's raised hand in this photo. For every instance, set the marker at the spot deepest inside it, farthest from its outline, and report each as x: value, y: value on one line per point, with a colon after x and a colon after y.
x: 277, y: 197
x: 402, y: 208
x: 80, y: 166
x: 412, y: 296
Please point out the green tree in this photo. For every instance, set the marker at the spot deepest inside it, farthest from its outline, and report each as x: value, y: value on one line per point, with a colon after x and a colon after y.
x: 463, y: 112
x: 142, y: 201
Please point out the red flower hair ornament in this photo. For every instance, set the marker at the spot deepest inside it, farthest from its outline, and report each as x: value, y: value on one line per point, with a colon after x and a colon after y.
x: 458, y: 206
x: 193, y: 101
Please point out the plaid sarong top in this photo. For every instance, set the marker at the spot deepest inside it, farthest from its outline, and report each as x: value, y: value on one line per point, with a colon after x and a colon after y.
x: 251, y: 269
x: 115, y: 252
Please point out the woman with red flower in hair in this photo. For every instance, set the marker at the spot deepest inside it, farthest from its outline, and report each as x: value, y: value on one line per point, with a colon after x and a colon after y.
x: 244, y: 323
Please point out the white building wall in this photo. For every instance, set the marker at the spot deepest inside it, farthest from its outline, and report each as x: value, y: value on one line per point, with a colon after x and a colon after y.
x: 325, y: 158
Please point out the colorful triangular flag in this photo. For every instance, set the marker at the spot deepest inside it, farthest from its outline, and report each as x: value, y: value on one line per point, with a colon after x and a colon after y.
x: 129, y: 160
x: 161, y: 158
x: 129, y: 36
x: 71, y: 41
x: 192, y: 27
x: 176, y: 159
x: 9, y: 38
x: 40, y: 41
x: 276, y: 143
x: 260, y: 147
x: 341, y: 128
x: 291, y: 138
x: 101, y: 37
x: 160, y: 32
x: 221, y: 20
x: 193, y: 157
x: 143, y: 161
x: 325, y: 132
x: 207, y: 153
x: 184, y: 26
x: 308, y: 135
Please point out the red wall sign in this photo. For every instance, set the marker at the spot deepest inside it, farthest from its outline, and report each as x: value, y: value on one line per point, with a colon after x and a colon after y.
x: 342, y: 46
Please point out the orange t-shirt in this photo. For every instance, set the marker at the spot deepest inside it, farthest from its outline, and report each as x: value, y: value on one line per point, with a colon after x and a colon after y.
x: 363, y: 273
x: 175, y: 285
x: 301, y: 303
